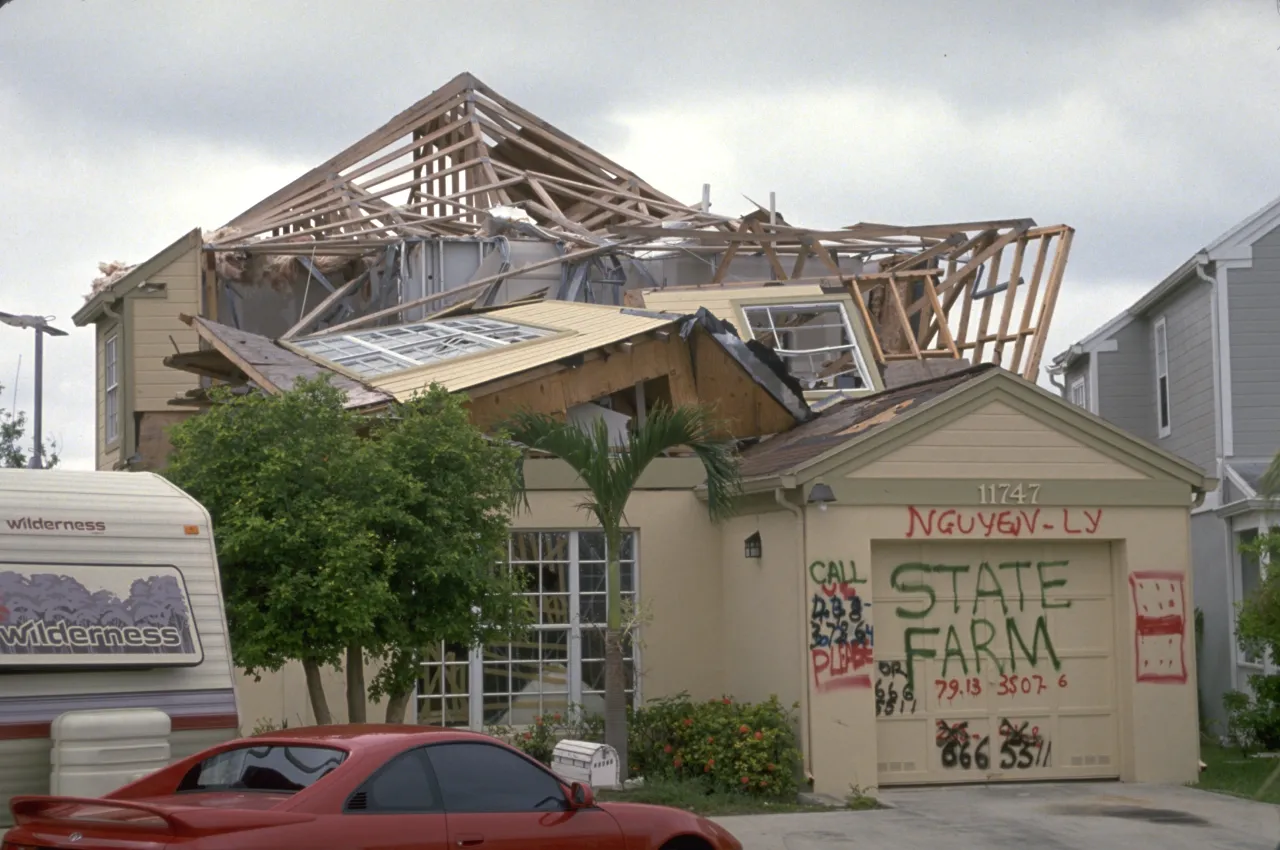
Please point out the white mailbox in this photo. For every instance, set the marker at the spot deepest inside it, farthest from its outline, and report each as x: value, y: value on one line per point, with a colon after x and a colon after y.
x: 582, y: 761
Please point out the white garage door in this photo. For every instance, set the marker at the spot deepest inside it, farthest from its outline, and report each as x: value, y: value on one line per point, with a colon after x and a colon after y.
x: 995, y: 661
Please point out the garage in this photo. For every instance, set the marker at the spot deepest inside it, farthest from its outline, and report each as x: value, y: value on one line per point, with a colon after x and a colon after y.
x: 989, y: 654
x: 995, y: 586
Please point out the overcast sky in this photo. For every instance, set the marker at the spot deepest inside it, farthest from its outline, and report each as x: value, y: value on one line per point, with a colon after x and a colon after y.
x: 1150, y: 127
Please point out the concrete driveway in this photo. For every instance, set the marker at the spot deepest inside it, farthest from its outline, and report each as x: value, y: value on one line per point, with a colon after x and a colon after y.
x: 1067, y: 816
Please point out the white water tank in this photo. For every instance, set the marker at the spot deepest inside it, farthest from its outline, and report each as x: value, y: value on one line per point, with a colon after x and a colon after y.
x: 96, y: 752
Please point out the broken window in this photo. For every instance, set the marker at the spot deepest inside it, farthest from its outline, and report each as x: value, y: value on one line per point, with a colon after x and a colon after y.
x: 383, y: 350
x: 815, y: 340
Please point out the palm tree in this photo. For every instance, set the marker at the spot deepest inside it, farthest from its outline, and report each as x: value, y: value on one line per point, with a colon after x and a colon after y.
x: 610, y: 473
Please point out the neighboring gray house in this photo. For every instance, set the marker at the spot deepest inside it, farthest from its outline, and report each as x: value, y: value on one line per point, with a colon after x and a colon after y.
x: 1194, y: 367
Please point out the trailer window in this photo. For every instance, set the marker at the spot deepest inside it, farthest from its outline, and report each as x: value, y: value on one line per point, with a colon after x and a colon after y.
x: 267, y: 767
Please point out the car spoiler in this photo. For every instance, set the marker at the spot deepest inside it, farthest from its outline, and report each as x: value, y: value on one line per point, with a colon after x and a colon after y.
x: 187, y: 821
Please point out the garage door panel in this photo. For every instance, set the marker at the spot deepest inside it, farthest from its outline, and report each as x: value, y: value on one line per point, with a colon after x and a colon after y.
x: 1006, y: 652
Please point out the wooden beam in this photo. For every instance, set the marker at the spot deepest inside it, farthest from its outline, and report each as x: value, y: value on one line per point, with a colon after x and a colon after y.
x: 361, y: 321
x: 1046, y: 309
x: 1029, y: 306
x: 896, y: 298
x: 1010, y: 295
x: 326, y: 305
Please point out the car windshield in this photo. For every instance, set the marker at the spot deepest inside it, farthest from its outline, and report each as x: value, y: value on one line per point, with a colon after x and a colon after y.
x: 275, y: 768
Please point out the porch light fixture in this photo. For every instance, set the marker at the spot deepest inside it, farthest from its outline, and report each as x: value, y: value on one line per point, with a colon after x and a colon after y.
x: 820, y: 495
x: 752, y: 547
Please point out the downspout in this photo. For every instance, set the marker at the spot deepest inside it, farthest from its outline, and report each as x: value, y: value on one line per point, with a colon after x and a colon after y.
x: 802, y: 550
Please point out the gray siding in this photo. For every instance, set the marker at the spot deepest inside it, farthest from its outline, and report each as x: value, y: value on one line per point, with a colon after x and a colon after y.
x: 1189, y: 328
x: 1078, y: 369
x: 1215, y: 659
x: 1253, y: 308
x: 1126, y: 382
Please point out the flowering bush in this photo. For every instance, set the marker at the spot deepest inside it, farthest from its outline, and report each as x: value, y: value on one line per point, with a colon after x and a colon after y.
x: 540, y: 739
x: 748, y: 748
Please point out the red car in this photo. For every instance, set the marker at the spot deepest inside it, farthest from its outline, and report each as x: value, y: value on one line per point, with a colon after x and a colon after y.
x: 371, y: 787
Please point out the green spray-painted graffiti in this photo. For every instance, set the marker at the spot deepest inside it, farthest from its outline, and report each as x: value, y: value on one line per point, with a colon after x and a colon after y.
x: 968, y: 647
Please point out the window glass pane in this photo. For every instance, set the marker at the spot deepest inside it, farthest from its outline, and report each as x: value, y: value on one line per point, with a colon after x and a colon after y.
x: 1250, y: 578
x: 402, y: 786
x: 555, y: 545
x: 816, y: 341
x: 487, y: 778
x: 593, y: 608
x: 555, y: 609
x: 592, y: 578
x: 524, y: 546
x: 267, y: 767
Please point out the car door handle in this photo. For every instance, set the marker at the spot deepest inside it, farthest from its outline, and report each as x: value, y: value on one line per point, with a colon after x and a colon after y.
x: 470, y: 840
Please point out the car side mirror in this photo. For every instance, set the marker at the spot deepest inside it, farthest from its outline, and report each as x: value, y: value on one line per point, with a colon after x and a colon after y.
x: 581, y: 796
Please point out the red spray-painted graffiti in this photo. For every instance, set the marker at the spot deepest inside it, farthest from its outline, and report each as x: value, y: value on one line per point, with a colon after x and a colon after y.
x: 841, y: 639
x: 951, y: 522
x: 1160, y: 629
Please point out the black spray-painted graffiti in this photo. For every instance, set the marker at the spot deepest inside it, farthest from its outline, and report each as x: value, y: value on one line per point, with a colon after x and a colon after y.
x: 1021, y: 748
x: 893, y: 692
x: 841, y: 639
x: 978, y: 639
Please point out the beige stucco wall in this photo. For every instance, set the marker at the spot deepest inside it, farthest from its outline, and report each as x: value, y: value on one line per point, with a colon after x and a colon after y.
x: 682, y: 645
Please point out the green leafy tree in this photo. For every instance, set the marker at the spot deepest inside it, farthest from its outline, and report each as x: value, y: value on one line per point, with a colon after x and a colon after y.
x: 13, y: 428
x: 331, y: 546
x: 610, y: 474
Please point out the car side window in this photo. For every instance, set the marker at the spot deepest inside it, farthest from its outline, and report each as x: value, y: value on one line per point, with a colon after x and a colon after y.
x: 402, y: 786
x: 476, y: 777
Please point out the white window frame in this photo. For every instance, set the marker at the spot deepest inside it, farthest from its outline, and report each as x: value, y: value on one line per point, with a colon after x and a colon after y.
x: 1159, y: 341
x: 475, y: 658
x: 111, y: 390
x: 1079, y: 393
x: 854, y: 346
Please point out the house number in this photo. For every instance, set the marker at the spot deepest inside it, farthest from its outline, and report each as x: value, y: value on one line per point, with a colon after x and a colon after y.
x: 1009, y: 494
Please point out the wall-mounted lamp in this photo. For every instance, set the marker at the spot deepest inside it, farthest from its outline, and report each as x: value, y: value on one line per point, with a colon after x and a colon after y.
x: 751, y: 547
x: 820, y: 495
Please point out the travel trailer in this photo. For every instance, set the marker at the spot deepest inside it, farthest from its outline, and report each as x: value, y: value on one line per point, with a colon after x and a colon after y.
x: 110, y: 601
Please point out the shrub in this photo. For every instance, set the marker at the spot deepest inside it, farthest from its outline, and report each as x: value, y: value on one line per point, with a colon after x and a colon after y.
x: 738, y: 747
x: 1253, y: 722
x: 539, y: 740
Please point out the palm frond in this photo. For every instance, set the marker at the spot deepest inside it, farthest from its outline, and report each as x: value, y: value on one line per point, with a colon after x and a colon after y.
x: 612, y: 472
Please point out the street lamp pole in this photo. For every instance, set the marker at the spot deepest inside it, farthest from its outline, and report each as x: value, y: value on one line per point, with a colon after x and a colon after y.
x: 41, y: 326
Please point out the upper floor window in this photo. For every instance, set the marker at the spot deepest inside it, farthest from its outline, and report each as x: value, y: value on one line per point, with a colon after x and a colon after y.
x: 816, y: 341
x: 1080, y: 393
x: 1249, y: 579
x: 111, y: 390
x: 1162, y: 377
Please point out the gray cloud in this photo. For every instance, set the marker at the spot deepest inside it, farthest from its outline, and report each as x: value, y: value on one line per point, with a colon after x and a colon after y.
x: 1149, y: 126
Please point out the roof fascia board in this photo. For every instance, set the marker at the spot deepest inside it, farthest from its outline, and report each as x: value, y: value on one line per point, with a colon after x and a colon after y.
x: 89, y: 312
x: 1245, y: 233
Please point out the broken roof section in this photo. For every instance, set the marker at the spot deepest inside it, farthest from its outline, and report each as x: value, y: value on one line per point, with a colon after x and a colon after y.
x: 460, y: 162
x: 546, y: 355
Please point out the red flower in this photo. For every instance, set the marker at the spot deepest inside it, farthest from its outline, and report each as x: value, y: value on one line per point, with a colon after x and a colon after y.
x: 711, y: 762
x: 667, y: 748
x: 528, y: 736
x: 538, y: 720
x: 710, y: 739
x: 759, y: 736
x: 746, y: 780
x: 679, y: 761
x: 769, y: 767
x: 556, y: 717
x: 728, y: 701
x: 744, y: 728
x: 688, y: 721
x: 706, y: 768
x: 763, y: 783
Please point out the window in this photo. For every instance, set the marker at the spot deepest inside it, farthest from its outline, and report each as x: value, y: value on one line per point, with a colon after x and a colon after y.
x: 1162, y: 377
x: 1080, y: 393
x: 110, y: 391
x: 484, y: 778
x: 1250, y: 579
x: 268, y: 767
x: 559, y: 662
x: 377, y: 352
x: 403, y: 785
x: 815, y: 340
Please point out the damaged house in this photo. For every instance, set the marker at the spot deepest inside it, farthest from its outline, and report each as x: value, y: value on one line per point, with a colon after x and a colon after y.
x: 929, y: 543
